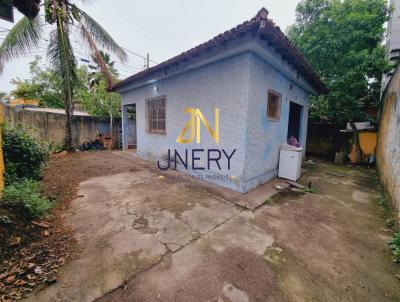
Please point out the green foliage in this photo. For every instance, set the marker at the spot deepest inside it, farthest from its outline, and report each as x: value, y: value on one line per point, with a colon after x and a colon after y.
x: 22, y: 38
x: 342, y: 39
x: 24, y: 156
x: 99, y: 102
x: 310, y: 190
x: 43, y: 85
x: 61, y: 15
x: 269, y: 201
x: 394, y: 245
x: 25, y: 197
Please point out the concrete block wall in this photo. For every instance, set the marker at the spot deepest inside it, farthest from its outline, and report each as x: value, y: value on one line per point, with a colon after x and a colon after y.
x: 51, y: 126
x: 388, y: 144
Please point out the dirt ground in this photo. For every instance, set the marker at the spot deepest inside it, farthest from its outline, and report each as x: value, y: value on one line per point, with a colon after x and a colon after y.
x: 143, y: 236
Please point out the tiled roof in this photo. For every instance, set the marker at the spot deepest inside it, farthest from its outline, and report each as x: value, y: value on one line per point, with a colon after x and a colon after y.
x: 267, y: 31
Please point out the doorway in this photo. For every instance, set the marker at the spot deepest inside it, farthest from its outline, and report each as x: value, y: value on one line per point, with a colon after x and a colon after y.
x: 295, y: 114
x: 131, y: 135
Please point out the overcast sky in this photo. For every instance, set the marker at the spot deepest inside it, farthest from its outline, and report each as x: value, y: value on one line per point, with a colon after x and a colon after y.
x: 161, y: 28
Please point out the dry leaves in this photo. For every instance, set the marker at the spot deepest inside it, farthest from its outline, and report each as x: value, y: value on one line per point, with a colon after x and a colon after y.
x: 33, y: 266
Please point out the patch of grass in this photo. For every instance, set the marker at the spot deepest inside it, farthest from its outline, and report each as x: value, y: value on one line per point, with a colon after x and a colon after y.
x: 24, y: 196
x: 310, y: 190
x: 195, y: 236
x: 382, y: 200
x: 269, y: 201
x: 394, y: 245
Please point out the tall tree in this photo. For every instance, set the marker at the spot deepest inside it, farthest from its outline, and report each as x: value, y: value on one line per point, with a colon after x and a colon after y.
x: 64, y: 17
x: 43, y: 85
x: 342, y: 39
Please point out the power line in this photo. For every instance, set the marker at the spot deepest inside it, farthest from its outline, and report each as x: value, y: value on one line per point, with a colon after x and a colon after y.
x: 149, y: 22
x: 122, y: 20
x: 128, y: 50
x: 129, y: 17
x: 139, y: 55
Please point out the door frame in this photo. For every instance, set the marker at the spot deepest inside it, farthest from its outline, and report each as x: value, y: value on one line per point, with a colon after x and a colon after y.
x: 300, y: 132
x: 125, y: 126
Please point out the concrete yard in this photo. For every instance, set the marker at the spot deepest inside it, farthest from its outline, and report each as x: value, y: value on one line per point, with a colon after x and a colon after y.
x: 143, y: 235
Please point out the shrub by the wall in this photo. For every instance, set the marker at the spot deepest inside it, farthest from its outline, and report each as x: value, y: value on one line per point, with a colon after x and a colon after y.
x: 24, y: 155
x: 25, y: 197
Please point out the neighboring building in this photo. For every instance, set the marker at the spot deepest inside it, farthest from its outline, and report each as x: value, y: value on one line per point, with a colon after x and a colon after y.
x: 256, y: 78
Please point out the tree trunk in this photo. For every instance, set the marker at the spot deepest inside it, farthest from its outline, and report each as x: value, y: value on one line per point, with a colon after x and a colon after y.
x: 356, y: 141
x: 69, y: 145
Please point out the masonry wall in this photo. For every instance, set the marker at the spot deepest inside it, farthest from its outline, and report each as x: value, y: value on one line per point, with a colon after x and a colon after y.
x: 264, y: 136
x: 222, y: 85
x: 51, y: 126
x: 388, y: 145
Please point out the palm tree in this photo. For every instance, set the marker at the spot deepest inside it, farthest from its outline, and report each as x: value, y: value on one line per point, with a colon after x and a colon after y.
x: 107, y: 59
x: 64, y: 17
x: 96, y: 76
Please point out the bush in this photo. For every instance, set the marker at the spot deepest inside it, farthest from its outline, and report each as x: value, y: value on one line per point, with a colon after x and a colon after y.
x: 25, y: 197
x: 24, y: 156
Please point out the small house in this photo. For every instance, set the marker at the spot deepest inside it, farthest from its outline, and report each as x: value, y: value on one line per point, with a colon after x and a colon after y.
x: 222, y: 110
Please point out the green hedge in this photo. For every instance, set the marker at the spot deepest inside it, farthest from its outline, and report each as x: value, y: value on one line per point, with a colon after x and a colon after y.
x: 24, y: 156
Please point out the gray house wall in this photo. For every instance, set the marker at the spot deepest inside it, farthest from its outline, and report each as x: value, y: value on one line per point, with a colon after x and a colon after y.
x: 221, y: 85
x: 235, y: 79
x: 265, y: 136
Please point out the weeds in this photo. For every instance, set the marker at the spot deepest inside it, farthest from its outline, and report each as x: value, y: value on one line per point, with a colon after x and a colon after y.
x: 269, y: 201
x: 25, y: 197
x: 310, y: 190
x: 394, y: 245
x: 382, y: 200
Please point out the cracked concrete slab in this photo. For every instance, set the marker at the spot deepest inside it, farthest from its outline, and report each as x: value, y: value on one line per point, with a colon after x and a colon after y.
x: 188, y: 241
x: 214, y: 268
x: 126, y: 223
x: 325, y: 246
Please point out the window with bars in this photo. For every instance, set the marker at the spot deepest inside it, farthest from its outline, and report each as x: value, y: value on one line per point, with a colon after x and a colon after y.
x: 155, y: 116
x: 274, y: 105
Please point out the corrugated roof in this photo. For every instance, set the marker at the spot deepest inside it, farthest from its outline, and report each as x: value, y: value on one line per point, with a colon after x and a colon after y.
x: 267, y: 31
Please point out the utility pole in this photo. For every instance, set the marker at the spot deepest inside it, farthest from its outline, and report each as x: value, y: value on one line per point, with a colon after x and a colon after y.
x: 148, y: 61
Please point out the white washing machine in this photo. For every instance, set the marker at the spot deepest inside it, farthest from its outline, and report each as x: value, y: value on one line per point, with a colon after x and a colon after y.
x: 290, y: 159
